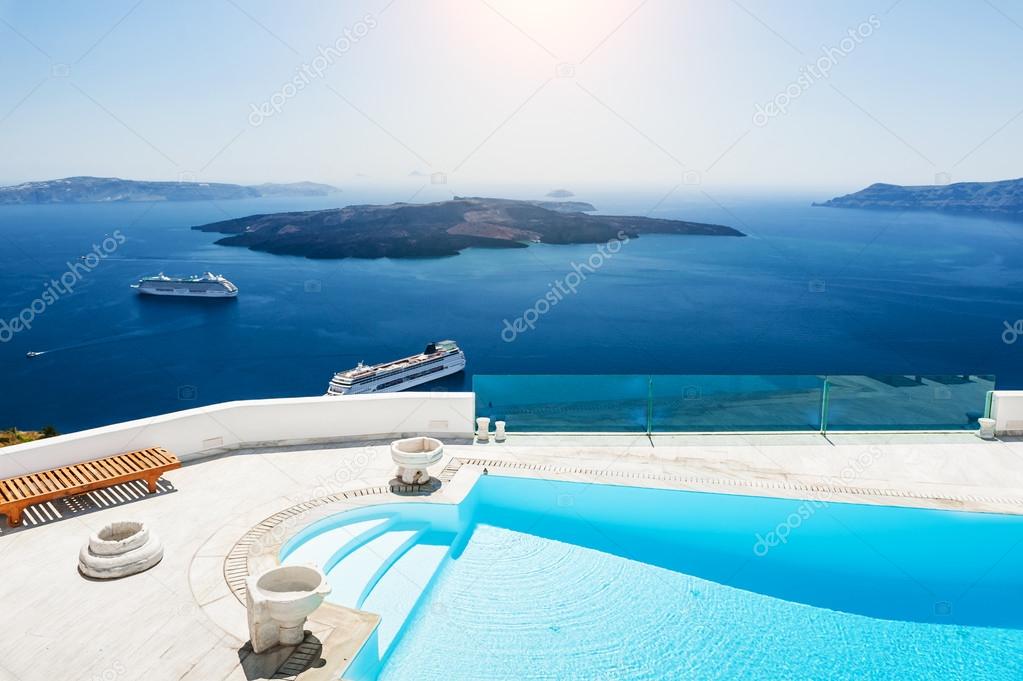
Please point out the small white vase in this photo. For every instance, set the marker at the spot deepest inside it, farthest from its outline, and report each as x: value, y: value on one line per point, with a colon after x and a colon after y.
x: 987, y: 429
x: 483, y: 429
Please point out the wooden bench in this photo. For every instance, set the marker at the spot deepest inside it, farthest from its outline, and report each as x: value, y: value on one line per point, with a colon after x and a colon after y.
x: 16, y: 494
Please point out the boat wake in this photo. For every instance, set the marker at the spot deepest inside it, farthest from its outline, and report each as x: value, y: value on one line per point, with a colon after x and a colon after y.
x: 141, y: 333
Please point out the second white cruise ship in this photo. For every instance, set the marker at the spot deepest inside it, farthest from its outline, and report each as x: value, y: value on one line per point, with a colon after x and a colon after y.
x: 439, y: 359
x: 206, y: 285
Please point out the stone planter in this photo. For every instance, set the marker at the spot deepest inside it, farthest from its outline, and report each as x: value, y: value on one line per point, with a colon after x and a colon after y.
x: 413, y: 455
x: 118, y: 550
x: 499, y: 433
x: 987, y: 429
x: 279, y: 600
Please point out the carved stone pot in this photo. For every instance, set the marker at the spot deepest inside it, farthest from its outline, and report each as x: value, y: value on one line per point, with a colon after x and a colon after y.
x: 279, y: 600
x: 413, y: 455
x: 120, y: 549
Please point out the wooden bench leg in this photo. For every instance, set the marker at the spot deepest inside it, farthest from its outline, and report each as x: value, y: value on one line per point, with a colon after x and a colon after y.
x: 14, y: 516
x: 151, y: 483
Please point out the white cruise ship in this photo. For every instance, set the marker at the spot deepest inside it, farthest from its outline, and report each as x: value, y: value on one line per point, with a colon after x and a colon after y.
x: 206, y: 285
x: 439, y: 359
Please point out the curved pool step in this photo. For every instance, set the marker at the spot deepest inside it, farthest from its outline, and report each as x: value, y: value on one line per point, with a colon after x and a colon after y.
x: 388, y: 562
x: 359, y: 567
x: 324, y: 550
x: 402, y: 584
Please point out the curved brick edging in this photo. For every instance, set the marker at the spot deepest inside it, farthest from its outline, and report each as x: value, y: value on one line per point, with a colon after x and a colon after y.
x: 236, y: 563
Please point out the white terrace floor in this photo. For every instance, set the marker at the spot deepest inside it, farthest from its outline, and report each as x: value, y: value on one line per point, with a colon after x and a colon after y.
x: 180, y: 621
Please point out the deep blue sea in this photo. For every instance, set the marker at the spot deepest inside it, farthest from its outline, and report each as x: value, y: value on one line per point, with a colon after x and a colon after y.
x: 810, y: 291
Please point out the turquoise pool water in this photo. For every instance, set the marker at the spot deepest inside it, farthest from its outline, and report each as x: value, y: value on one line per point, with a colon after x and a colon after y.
x: 533, y: 579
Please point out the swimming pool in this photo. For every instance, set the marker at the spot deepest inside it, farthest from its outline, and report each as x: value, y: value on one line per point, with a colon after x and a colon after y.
x: 537, y: 579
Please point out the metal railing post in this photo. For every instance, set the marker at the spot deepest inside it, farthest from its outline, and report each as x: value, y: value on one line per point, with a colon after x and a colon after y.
x: 824, y: 407
x: 649, y: 404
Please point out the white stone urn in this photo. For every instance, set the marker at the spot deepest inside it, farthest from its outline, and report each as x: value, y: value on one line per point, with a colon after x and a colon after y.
x: 483, y: 429
x: 120, y: 549
x: 413, y: 455
x: 499, y: 433
x: 279, y: 600
x: 987, y: 429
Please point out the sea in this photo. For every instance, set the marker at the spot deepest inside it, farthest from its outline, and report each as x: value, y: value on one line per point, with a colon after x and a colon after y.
x: 810, y: 290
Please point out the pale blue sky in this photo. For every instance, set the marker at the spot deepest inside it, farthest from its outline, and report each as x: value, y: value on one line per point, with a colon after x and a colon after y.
x: 646, y: 91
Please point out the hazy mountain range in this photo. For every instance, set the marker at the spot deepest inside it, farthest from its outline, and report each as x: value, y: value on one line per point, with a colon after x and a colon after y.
x: 112, y: 189
x: 996, y: 199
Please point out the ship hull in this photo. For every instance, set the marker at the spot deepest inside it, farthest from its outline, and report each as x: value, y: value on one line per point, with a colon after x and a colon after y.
x: 185, y: 293
x: 452, y: 364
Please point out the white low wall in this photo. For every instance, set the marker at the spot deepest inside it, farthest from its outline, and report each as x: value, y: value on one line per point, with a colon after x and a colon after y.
x: 1007, y: 411
x: 196, y: 433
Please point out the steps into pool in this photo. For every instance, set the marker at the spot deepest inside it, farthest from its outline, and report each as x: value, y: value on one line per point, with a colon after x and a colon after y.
x: 399, y: 589
x: 381, y: 564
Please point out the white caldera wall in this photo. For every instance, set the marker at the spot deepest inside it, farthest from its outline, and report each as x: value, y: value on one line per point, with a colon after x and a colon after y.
x: 1007, y: 411
x: 201, y: 432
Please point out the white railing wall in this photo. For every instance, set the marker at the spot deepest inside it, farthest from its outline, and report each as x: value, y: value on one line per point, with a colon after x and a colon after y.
x: 1007, y: 411
x: 201, y: 432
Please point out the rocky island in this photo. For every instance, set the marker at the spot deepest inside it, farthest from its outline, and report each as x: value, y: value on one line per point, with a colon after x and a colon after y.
x: 113, y: 189
x: 403, y: 230
x: 994, y: 199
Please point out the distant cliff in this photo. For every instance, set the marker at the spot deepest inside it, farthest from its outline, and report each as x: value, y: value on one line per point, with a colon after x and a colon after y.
x: 995, y: 199
x: 112, y: 189
x: 404, y: 230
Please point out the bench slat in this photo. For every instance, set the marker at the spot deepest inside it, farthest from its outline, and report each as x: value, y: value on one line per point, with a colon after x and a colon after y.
x: 31, y: 484
x: 139, y: 460
x: 148, y: 456
x: 118, y: 464
x: 22, y: 488
x: 51, y: 480
x: 163, y: 455
x: 129, y: 463
x: 106, y: 467
x: 132, y: 462
x: 64, y: 478
x: 77, y: 477
x: 42, y: 487
x: 8, y: 491
x: 94, y: 471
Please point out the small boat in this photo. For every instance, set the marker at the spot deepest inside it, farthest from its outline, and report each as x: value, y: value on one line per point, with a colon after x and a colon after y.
x: 439, y: 359
x: 30, y: 355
